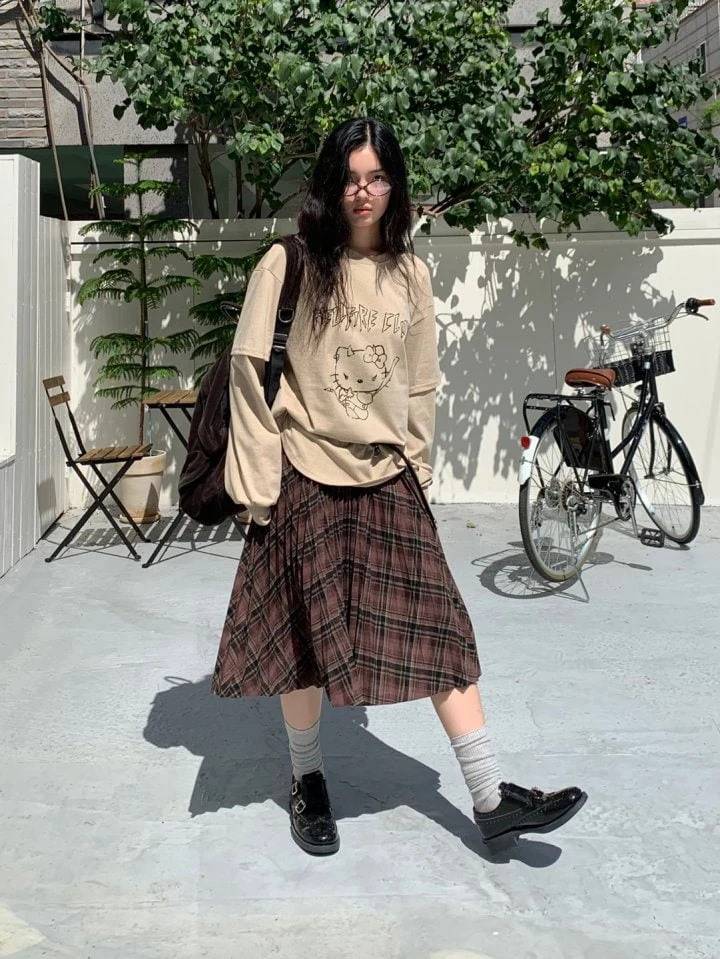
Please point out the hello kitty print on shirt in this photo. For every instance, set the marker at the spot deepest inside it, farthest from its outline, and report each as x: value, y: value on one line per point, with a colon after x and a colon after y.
x: 359, y: 376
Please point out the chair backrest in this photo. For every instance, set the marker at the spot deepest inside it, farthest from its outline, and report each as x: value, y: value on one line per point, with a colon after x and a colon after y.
x: 59, y: 399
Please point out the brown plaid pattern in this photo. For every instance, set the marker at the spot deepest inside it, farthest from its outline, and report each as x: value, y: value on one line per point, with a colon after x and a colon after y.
x: 346, y: 588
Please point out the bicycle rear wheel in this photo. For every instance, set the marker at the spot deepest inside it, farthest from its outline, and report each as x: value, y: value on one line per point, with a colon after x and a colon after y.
x: 665, y: 478
x: 559, y: 516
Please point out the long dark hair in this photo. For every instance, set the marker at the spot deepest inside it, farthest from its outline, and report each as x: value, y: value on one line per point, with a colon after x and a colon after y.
x: 323, y: 229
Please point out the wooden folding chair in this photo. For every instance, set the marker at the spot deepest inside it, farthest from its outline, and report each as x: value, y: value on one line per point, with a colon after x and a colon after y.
x: 94, y: 458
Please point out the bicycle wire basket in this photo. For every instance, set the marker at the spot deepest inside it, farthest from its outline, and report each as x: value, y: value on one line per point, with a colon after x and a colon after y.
x: 626, y: 357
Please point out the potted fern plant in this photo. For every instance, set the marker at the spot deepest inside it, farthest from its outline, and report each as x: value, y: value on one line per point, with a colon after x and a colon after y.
x: 212, y: 315
x: 135, y: 363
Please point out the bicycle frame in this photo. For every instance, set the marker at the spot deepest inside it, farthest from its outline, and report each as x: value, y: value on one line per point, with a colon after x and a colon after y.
x: 648, y: 405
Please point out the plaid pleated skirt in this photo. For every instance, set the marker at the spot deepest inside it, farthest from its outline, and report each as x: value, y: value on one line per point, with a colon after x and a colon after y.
x: 347, y: 588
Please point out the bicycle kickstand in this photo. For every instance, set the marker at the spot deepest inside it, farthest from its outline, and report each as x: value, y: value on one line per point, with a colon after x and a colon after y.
x: 578, y: 568
x: 636, y: 530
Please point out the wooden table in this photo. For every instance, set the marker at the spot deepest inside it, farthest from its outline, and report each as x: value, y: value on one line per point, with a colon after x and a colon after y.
x: 168, y: 401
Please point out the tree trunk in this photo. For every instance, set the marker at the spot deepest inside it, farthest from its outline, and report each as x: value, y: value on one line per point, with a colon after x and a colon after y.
x: 144, y: 357
x: 257, y: 207
x: 143, y: 331
x: 202, y: 142
x: 143, y: 317
x: 239, y: 188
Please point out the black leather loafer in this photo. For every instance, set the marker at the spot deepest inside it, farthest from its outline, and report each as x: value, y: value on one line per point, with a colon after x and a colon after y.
x: 312, y: 823
x: 527, y: 810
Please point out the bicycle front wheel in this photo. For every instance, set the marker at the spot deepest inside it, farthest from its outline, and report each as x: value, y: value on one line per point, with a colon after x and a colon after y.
x: 559, y: 515
x: 665, y: 478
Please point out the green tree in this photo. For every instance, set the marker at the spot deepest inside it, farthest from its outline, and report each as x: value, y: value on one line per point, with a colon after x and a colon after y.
x: 601, y: 134
x: 133, y: 362
x: 572, y: 125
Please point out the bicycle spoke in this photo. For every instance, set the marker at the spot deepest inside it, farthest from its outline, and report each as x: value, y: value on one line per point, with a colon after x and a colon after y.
x: 559, y: 517
x: 661, y: 480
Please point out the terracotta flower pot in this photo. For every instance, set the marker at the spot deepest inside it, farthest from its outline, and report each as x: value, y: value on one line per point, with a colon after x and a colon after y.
x: 139, y: 489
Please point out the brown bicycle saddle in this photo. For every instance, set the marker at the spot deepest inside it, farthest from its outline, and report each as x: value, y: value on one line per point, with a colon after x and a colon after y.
x: 594, y: 377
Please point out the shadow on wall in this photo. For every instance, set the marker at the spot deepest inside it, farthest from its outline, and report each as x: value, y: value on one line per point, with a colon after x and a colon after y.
x: 514, y: 321
x: 510, y: 321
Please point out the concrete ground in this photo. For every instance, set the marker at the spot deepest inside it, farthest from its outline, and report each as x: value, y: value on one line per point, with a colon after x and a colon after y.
x: 141, y: 818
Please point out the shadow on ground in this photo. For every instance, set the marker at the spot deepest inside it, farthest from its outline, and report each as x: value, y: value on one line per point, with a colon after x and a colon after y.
x: 244, y: 753
x: 100, y: 537
x: 508, y: 573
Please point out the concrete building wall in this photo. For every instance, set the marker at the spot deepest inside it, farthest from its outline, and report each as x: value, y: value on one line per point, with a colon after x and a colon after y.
x: 22, y: 113
x: 524, y: 13
x: 700, y: 25
x: 71, y: 124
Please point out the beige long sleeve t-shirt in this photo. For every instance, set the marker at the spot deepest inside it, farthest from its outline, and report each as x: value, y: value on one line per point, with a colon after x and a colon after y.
x: 370, y: 380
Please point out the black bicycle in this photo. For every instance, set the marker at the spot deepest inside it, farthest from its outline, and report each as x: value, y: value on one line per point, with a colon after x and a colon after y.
x: 567, y: 469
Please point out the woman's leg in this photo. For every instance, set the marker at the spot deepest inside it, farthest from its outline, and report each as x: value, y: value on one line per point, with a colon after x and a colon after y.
x: 301, y: 708
x: 460, y: 710
x: 461, y: 713
x: 501, y: 814
x: 301, y: 711
x: 312, y: 823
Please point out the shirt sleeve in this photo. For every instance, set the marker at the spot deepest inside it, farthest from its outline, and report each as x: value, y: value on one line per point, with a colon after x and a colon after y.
x: 420, y: 433
x: 253, y: 464
x: 421, y: 343
x: 254, y: 332
x: 423, y: 378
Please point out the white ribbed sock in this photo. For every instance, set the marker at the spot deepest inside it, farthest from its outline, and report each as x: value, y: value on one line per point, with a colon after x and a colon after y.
x: 305, y: 751
x: 476, y: 756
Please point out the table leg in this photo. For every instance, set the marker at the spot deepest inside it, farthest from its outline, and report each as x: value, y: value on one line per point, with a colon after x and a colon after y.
x: 166, y: 536
x: 178, y: 519
x: 173, y: 425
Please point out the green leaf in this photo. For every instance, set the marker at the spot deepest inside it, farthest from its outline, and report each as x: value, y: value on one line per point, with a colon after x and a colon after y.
x: 230, y: 267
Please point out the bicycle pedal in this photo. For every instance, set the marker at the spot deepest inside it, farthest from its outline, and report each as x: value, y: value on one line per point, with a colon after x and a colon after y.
x: 652, y: 537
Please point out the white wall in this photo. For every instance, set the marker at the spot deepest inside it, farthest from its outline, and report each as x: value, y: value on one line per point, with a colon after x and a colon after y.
x: 34, y: 341
x: 509, y: 321
x: 53, y: 359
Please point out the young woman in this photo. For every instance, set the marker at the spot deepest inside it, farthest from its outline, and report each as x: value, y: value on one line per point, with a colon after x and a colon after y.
x: 343, y: 586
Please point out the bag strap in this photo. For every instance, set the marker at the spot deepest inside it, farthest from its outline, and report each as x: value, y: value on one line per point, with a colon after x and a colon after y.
x: 285, y: 315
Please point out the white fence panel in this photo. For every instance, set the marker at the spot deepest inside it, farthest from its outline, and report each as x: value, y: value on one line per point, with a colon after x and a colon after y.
x: 25, y: 526
x: 7, y: 489
x: 8, y: 352
x: 34, y: 338
x: 53, y: 359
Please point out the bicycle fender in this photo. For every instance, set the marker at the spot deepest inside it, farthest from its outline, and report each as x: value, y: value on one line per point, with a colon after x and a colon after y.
x: 694, y: 475
x: 526, y: 460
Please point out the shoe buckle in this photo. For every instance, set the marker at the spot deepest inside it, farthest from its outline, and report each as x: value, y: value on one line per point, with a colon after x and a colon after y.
x: 295, y: 788
x: 300, y: 807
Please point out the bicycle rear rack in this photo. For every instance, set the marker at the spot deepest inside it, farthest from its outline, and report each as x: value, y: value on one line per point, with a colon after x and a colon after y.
x: 542, y: 402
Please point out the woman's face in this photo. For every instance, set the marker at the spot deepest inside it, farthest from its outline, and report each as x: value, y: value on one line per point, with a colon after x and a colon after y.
x: 362, y: 210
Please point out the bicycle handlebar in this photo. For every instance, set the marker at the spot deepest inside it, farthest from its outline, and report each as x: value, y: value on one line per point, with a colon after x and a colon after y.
x: 691, y: 305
